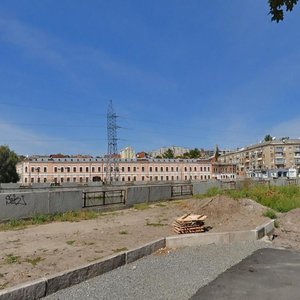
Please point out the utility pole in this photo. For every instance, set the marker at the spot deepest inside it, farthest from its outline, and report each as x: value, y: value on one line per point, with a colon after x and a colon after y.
x: 112, y: 157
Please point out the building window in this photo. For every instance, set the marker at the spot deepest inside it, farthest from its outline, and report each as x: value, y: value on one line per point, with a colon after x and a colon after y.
x: 74, y: 179
x: 45, y: 180
x: 195, y: 169
x: 172, y: 169
x: 123, y: 178
x: 93, y: 169
x: 123, y: 169
x: 150, y: 169
x: 134, y: 169
x: 156, y: 178
x: 185, y: 169
x: 143, y: 169
x: 167, y: 169
x: 167, y: 177
x: 39, y: 180
x: 68, y: 179
x: 68, y: 169
x: 161, y: 177
x: 172, y: 177
x: 80, y: 170
x: 128, y: 169
x: 61, y: 180
x: 45, y: 169
x: 55, y: 180
x: 177, y: 170
x: 87, y: 169
x: 201, y: 169
x: 62, y: 169
x: 143, y: 178
x: 25, y: 180
x: 190, y: 169
x: 26, y: 169
x: 204, y: 169
x: 156, y: 169
x: 86, y: 179
x: 208, y: 169
x: 128, y: 178
x: 99, y: 169
x: 134, y: 178
x: 80, y: 179
x: 150, y: 178
x: 185, y: 177
x: 32, y: 169
x: 161, y: 169
x: 74, y: 169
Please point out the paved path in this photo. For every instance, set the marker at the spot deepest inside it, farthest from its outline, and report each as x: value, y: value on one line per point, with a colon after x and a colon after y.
x: 177, y: 275
x: 266, y: 274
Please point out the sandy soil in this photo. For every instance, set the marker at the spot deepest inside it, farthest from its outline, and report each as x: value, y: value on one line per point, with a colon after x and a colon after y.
x: 41, y: 250
x: 288, y: 233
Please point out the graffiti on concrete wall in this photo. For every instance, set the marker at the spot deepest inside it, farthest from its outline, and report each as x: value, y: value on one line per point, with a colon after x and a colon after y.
x: 13, y: 199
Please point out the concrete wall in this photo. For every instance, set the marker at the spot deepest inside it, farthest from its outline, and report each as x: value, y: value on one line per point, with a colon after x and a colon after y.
x: 141, y: 194
x: 202, y: 187
x: 27, y: 204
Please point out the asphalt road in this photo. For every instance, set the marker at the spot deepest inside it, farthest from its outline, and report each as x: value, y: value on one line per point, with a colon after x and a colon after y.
x: 266, y: 274
x: 175, y: 275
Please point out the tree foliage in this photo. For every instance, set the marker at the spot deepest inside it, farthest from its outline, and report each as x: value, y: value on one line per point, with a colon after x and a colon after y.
x: 193, y: 153
x: 169, y: 154
x: 8, y: 162
x: 268, y: 138
x: 277, y: 7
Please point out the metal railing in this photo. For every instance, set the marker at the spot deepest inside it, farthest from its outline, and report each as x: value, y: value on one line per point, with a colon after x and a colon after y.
x: 182, y: 190
x: 102, y: 198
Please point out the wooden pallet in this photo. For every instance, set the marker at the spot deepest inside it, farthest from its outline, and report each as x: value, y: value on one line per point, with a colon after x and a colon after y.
x: 189, y: 223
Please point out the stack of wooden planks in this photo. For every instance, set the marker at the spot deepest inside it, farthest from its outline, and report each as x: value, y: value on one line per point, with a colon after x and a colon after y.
x: 189, y: 223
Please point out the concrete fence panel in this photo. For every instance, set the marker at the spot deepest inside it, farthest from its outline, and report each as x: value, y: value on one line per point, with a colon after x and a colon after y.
x: 161, y: 192
x: 138, y: 194
x: 62, y: 201
x: 22, y: 205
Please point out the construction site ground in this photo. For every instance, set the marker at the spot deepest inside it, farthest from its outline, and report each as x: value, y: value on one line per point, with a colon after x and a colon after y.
x: 41, y: 250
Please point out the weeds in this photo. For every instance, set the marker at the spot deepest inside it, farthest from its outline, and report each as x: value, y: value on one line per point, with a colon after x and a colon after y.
x: 123, y: 232
x: 270, y: 213
x: 3, y: 285
x: 70, y: 242
x: 158, y: 224
x: 70, y: 216
x: 12, y: 259
x: 141, y: 206
x: 120, y: 249
x: 34, y: 261
x: 278, y: 198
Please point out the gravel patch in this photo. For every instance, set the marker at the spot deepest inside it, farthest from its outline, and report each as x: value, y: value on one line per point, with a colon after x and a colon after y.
x: 176, y: 275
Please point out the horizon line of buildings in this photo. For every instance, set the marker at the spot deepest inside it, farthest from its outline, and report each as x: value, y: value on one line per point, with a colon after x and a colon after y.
x: 59, y: 169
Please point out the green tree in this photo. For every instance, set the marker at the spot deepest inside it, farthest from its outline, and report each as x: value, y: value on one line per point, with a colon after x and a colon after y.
x: 194, y: 153
x: 268, y: 138
x: 8, y: 162
x: 277, y: 7
x: 169, y: 154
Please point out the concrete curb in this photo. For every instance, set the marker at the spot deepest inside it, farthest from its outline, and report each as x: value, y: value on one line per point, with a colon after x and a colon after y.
x: 51, y: 284
x: 145, y: 250
x: 195, y: 239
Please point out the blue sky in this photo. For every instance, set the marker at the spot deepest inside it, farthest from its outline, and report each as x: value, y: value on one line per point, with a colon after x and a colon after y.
x: 186, y: 73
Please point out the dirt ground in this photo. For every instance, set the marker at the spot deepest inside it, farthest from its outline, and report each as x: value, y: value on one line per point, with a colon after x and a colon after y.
x: 41, y: 250
x: 288, y: 232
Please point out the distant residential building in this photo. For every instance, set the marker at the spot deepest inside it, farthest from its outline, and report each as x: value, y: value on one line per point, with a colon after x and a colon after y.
x: 127, y: 152
x: 267, y: 155
x: 178, y: 151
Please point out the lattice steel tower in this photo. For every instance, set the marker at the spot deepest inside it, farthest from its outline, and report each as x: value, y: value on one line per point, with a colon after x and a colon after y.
x: 112, y: 165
